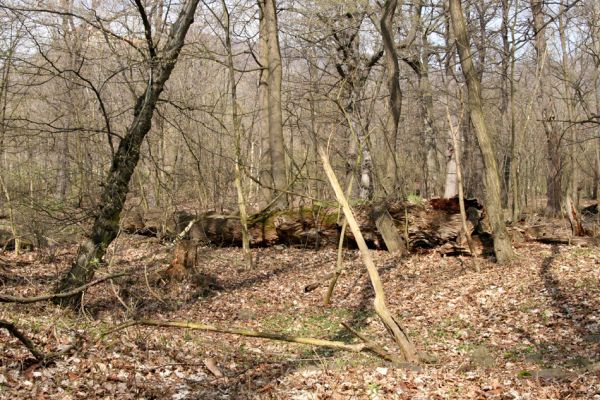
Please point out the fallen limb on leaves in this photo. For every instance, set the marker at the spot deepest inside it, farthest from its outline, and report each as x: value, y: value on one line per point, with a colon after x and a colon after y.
x: 5, y: 298
x: 39, y: 356
x: 337, y: 345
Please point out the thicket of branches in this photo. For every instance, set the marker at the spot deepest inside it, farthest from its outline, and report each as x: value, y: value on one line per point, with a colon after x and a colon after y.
x: 73, y: 71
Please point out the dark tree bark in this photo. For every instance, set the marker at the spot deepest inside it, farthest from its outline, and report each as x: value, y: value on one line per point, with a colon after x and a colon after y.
x: 116, y: 186
x: 502, y: 243
x: 553, y: 135
x: 393, y: 83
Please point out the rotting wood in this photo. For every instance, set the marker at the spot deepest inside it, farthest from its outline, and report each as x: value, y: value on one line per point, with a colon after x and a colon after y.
x: 389, y: 232
x: 430, y: 224
x: 574, y: 219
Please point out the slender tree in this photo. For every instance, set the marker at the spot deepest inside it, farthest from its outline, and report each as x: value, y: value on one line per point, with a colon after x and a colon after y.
x: 502, y: 243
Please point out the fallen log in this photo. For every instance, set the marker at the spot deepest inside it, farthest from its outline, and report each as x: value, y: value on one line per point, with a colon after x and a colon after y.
x: 430, y: 223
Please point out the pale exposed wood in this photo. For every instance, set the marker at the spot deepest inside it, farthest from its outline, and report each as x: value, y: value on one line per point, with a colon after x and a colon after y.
x: 461, y: 196
x: 406, y: 347
x: 337, y: 345
x: 389, y: 232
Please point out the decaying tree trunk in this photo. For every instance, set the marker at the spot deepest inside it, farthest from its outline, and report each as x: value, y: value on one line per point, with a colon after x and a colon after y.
x: 430, y: 224
x: 574, y: 219
x: 106, y: 223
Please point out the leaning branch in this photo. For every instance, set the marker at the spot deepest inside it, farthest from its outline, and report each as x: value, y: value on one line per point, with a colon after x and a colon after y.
x: 406, y: 347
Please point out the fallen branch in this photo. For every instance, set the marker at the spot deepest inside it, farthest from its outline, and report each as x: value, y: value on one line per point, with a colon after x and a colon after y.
x: 337, y: 345
x: 5, y: 298
x: 13, y: 330
x: 373, y: 347
x: 37, y: 354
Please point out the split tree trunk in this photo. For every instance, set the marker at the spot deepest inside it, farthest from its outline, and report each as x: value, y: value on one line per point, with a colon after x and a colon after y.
x: 116, y: 187
x: 502, y: 243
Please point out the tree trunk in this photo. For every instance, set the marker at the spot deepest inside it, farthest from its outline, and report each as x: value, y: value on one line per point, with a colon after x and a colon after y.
x: 264, y: 162
x: 276, y: 141
x: 393, y: 83
x: 504, y: 101
x: 426, y: 225
x: 569, y: 103
x: 236, y: 127
x: 430, y: 130
x: 553, y: 136
x: 502, y: 244
x: 116, y: 186
x: 451, y: 185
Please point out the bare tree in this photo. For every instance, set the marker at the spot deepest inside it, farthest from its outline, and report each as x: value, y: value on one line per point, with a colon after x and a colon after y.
x: 106, y: 222
x: 502, y: 242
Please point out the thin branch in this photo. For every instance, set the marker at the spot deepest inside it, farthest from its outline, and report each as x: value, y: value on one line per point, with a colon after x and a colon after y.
x: 147, y: 29
x: 5, y: 298
x: 13, y: 330
x: 39, y: 356
x: 337, y: 345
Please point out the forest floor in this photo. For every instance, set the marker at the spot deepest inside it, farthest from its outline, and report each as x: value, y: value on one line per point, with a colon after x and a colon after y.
x: 529, y: 330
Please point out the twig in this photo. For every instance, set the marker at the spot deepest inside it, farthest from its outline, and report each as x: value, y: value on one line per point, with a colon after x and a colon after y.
x: 37, y: 354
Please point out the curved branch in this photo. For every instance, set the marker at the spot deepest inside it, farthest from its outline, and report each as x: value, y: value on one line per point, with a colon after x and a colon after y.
x: 5, y: 298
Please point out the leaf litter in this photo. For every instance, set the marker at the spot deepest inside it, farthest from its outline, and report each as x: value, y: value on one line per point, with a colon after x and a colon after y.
x: 528, y: 330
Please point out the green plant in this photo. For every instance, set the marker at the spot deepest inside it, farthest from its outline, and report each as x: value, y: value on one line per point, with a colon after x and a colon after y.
x: 414, y: 199
x: 373, y: 390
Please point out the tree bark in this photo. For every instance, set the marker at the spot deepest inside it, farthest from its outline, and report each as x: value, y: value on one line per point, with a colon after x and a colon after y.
x: 275, y: 116
x: 553, y: 136
x: 451, y: 184
x: 504, y: 96
x: 502, y: 244
x: 116, y: 186
x: 393, y: 83
x: 236, y: 127
x: 264, y: 162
